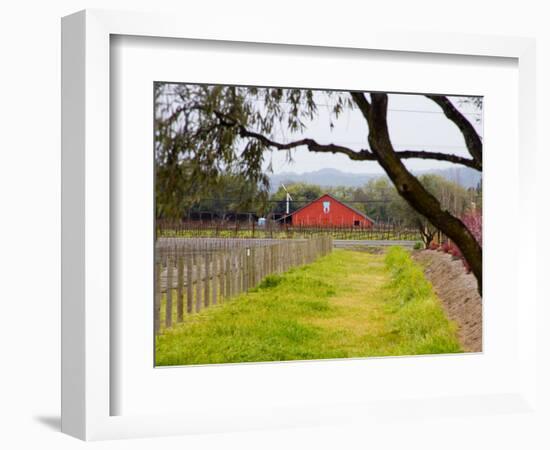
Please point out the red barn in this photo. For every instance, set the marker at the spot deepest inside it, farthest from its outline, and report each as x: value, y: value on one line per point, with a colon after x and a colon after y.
x: 329, y: 212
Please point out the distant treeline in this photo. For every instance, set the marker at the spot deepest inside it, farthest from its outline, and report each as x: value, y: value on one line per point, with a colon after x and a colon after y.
x: 228, y: 195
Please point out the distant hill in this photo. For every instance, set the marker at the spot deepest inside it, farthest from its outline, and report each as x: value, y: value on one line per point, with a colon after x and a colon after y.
x: 465, y: 176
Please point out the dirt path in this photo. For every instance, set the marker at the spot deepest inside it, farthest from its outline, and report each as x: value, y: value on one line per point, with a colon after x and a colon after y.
x: 458, y: 292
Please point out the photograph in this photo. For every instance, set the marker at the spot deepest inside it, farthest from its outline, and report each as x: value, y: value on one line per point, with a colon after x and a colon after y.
x: 297, y: 223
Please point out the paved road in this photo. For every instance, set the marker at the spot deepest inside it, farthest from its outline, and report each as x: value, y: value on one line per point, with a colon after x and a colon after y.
x: 345, y: 243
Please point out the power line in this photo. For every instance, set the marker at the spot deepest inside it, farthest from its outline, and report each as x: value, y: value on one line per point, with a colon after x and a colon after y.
x: 422, y: 111
x: 229, y: 200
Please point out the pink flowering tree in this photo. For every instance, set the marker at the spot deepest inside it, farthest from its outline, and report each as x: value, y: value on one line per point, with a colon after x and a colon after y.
x: 474, y: 222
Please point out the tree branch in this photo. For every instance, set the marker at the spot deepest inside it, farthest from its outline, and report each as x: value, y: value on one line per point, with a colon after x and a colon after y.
x: 311, y: 144
x: 410, y: 188
x: 361, y: 155
x: 421, y: 154
x: 471, y: 138
x: 362, y: 102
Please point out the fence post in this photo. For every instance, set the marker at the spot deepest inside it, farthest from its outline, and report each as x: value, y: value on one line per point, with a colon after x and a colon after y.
x: 198, y: 280
x: 158, y: 294
x: 235, y: 266
x: 241, y: 269
x: 253, y: 266
x: 264, y: 262
x: 214, y: 278
x: 180, y: 289
x: 206, y: 279
x: 169, y: 285
x: 222, y: 276
x: 189, y: 266
x: 250, y: 268
x: 228, y: 275
x: 246, y: 269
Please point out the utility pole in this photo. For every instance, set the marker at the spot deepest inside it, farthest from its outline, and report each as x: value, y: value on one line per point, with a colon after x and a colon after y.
x: 288, y: 200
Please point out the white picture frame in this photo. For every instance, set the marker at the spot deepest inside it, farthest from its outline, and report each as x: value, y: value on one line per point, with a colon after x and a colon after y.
x: 86, y: 220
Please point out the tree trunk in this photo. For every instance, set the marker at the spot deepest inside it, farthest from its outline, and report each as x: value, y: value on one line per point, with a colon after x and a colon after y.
x: 408, y: 185
x: 427, y: 235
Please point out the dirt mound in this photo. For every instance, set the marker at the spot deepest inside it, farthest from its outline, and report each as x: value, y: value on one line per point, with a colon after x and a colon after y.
x: 458, y: 292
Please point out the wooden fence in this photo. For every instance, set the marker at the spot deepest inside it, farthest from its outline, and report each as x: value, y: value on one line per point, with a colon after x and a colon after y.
x: 192, y: 274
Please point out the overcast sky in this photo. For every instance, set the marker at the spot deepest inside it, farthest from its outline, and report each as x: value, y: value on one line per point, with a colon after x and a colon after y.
x: 415, y: 122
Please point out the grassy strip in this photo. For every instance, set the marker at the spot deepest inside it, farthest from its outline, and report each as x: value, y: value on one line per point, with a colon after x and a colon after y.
x: 417, y: 314
x: 347, y: 304
x: 267, y: 324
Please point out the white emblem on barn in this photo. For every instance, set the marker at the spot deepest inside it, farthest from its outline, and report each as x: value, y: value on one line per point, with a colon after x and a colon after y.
x: 326, y: 207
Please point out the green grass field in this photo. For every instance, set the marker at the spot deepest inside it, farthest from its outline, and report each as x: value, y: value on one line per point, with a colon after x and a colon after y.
x: 346, y: 304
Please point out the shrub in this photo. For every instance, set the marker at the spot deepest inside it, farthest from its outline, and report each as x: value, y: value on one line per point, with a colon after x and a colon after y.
x: 270, y: 281
x: 473, y: 221
x: 455, y: 253
x: 417, y: 246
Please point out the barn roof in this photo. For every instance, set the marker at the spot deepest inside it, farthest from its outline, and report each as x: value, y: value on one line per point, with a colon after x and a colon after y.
x: 336, y: 200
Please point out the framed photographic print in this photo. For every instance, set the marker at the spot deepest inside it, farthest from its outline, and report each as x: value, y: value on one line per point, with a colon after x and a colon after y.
x: 253, y: 238
x: 295, y: 263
